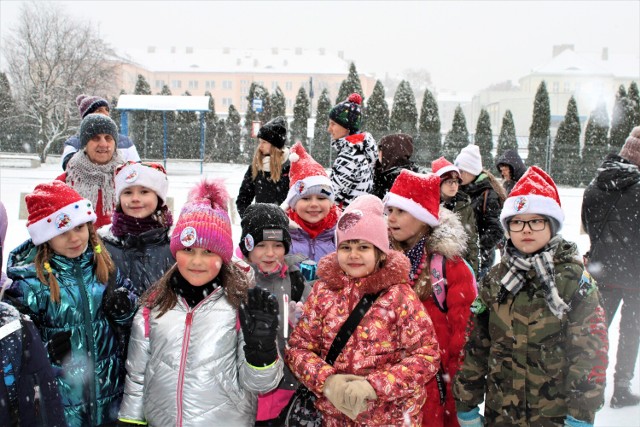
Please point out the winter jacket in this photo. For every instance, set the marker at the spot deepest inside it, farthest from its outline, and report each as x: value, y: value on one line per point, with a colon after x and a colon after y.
x: 515, y: 163
x: 89, y: 381
x: 263, y: 189
x: 288, y: 281
x: 534, y: 367
x: 189, y: 369
x: 143, y: 258
x: 104, y: 218
x: 487, y: 213
x: 615, y: 240
x: 28, y: 391
x: 394, y: 345
x: 126, y: 149
x: 352, y: 171
x: 384, y: 179
x: 460, y: 204
x: 313, y: 249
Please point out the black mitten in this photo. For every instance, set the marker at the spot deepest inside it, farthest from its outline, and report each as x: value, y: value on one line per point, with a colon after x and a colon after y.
x: 259, y: 321
x: 59, y: 346
x: 116, y: 302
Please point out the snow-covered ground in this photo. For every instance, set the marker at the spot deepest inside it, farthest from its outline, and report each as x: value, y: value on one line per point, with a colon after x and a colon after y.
x: 17, y: 180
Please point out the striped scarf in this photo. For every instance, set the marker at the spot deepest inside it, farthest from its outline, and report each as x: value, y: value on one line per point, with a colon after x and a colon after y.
x: 542, y: 262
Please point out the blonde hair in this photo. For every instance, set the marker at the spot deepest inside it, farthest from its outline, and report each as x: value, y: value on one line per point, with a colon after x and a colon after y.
x: 103, y: 264
x: 422, y: 284
x: 276, y: 159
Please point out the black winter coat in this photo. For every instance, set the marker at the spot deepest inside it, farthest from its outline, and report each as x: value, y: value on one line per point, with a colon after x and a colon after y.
x: 615, y: 239
x: 383, y: 180
x: 262, y: 188
x: 515, y: 163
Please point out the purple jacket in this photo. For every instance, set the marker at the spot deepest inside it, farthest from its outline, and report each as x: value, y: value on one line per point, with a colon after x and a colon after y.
x: 313, y: 249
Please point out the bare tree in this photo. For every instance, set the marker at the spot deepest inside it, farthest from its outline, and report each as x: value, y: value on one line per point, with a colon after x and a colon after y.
x: 51, y: 59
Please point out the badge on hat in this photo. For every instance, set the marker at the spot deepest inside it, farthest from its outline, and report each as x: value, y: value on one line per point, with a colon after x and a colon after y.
x: 350, y: 219
x: 248, y: 242
x: 521, y: 204
x: 188, y: 236
x: 132, y: 177
x: 299, y: 186
x: 62, y: 221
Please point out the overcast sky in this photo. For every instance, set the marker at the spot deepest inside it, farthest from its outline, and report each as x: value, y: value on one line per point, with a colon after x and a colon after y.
x: 465, y: 45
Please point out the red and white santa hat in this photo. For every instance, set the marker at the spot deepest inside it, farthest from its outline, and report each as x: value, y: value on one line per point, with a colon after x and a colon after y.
x: 145, y: 174
x: 306, y: 177
x: 418, y: 194
x: 441, y: 166
x: 55, y: 208
x: 534, y: 193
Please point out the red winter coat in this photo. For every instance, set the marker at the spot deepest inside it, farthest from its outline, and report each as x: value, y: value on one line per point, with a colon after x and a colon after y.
x: 394, y: 346
x: 103, y: 218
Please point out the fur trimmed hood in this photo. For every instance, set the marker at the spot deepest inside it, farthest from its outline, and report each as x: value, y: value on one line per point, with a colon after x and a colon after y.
x: 449, y: 238
x: 395, y: 270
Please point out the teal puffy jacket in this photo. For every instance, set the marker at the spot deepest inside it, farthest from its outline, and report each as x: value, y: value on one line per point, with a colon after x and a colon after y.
x: 90, y: 381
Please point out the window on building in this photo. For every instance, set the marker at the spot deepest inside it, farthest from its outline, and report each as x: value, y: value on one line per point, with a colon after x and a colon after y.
x: 556, y: 87
x: 289, y: 103
x: 227, y: 84
x: 227, y: 102
x: 567, y: 86
x: 176, y: 84
x: 288, y: 86
x: 159, y: 84
x: 210, y: 84
x: 244, y: 82
x: 244, y: 90
x: 193, y: 84
x: 274, y: 85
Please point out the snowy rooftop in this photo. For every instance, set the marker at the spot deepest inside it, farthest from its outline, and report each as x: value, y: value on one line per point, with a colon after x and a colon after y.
x: 569, y: 62
x: 163, y: 103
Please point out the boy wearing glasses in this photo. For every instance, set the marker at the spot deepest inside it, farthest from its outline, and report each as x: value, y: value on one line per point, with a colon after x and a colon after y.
x: 537, y: 347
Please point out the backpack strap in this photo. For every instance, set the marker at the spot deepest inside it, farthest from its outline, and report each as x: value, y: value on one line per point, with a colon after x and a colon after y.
x: 484, y: 203
x: 437, y: 270
x: 146, y: 312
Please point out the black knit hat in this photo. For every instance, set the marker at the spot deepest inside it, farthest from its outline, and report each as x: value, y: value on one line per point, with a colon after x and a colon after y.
x: 274, y: 132
x: 95, y: 124
x: 264, y: 221
x: 348, y: 114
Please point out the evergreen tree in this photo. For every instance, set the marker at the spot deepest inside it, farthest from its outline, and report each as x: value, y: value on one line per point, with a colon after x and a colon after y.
x: 300, y: 116
x: 278, y: 103
x: 350, y: 85
x: 257, y: 91
x: 234, y: 135
x: 507, y: 139
x: 566, y: 164
x: 458, y: 136
x: 377, y: 113
x: 595, y: 142
x: 484, y: 138
x: 621, y: 121
x: 139, y: 120
x: 187, y: 134
x: 634, y: 96
x: 9, y: 132
x: 404, y: 115
x: 321, y: 151
x: 211, y: 123
x: 222, y: 142
x: 428, y: 145
x: 539, y: 131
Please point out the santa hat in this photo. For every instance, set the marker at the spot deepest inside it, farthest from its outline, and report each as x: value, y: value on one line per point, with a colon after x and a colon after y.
x: 348, y: 114
x: 364, y: 219
x: 204, y: 221
x: 469, y: 160
x: 534, y: 193
x: 146, y: 174
x: 441, y: 166
x: 89, y: 104
x: 631, y: 148
x: 306, y: 177
x: 416, y: 193
x: 55, y: 208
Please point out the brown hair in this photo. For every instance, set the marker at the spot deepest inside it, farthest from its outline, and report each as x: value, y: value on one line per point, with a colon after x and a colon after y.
x: 103, y: 264
x: 422, y: 285
x: 276, y: 159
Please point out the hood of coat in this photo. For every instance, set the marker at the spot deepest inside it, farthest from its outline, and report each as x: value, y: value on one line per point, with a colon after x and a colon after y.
x: 616, y: 174
x: 357, y: 144
x: 395, y: 270
x: 513, y: 160
x: 449, y: 238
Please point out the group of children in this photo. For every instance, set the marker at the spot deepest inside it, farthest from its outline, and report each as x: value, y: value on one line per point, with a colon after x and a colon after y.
x: 217, y: 336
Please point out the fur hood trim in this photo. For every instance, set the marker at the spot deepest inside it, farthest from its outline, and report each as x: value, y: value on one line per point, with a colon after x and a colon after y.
x: 449, y: 238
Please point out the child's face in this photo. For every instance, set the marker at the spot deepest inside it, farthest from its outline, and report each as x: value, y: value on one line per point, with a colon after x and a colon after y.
x: 449, y: 187
x: 404, y: 227
x: 71, y: 243
x: 336, y: 131
x: 198, y: 266
x: 313, y: 208
x: 268, y: 255
x: 527, y: 240
x: 138, y: 201
x: 505, y: 171
x: 264, y: 147
x: 357, y: 258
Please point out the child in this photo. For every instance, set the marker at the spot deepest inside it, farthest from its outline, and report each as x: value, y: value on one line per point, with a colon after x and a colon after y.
x: 394, y: 155
x: 379, y: 377
x: 267, y: 178
x: 537, y: 350
x: 64, y: 279
x: 310, y: 208
x: 264, y: 244
x: 511, y: 167
x: 352, y: 172
x: 434, y: 241
x: 189, y: 364
x: 138, y: 236
x: 460, y: 203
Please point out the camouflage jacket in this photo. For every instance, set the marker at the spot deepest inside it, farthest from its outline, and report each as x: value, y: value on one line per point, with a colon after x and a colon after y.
x: 538, y: 368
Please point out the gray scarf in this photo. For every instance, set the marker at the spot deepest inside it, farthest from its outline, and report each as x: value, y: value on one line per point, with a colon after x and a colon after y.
x: 87, y: 178
x: 542, y: 263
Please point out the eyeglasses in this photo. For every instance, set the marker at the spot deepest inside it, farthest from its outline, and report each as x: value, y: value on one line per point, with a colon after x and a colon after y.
x: 537, y: 224
x: 451, y: 182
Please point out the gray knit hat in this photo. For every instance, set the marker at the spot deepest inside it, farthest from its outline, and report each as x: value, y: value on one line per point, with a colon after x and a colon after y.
x: 95, y: 124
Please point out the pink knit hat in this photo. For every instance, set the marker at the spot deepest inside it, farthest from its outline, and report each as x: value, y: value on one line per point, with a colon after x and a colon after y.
x: 204, y: 221
x: 418, y: 194
x: 306, y: 177
x: 364, y: 219
x: 631, y: 148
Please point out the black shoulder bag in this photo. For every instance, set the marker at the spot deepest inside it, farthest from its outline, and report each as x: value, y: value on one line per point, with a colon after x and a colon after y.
x: 301, y: 410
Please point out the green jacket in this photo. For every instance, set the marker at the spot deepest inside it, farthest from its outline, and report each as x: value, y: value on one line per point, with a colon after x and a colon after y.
x: 90, y: 381
x: 535, y: 368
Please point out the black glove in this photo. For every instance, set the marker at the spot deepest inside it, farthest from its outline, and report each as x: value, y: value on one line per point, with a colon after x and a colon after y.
x: 259, y: 321
x: 116, y: 302
x: 59, y: 346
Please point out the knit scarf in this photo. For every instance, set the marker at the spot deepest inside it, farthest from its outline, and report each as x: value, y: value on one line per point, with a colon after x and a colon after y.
x: 192, y: 294
x: 123, y: 224
x: 88, y: 178
x: 542, y: 263
x: 415, y: 255
x: 315, y: 229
